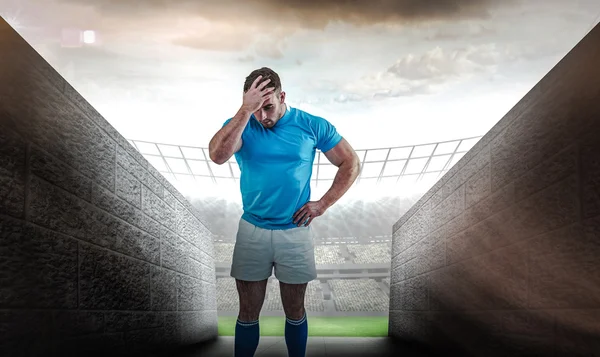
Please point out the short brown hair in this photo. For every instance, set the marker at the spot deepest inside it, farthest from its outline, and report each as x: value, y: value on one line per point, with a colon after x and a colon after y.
x: 266, y: 73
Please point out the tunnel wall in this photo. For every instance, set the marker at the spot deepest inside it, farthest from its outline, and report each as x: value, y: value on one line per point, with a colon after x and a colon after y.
x: 98, y: 252
x: 501, y: 256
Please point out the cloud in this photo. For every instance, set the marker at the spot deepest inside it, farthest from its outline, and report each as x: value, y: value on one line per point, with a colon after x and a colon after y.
x: 307, y: 13
x: 428, y: 73
x: 438, y: 65
x: 246, y: 59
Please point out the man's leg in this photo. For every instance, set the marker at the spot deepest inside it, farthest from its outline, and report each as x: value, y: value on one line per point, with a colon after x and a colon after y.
x: 252, y: 265
x: 295, y: 266
x: 247, y: 331
x: 296, y: 324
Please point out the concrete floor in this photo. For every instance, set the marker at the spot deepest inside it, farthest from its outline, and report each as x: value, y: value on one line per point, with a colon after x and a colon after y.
x: 317, y: 347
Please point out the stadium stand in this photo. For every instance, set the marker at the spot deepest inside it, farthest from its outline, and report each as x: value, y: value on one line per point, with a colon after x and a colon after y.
x: 329, y: 254
x: 223, y: 252
x: 370, y: 253
x: 227, y: 295
x: 358, y: 295
x: 313, y: 299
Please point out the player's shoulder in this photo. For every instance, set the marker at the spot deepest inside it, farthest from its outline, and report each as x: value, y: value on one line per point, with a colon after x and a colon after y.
x: 309, y: 118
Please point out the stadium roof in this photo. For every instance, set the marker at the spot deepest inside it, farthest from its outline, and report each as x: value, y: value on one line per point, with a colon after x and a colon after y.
x: 388, y: 166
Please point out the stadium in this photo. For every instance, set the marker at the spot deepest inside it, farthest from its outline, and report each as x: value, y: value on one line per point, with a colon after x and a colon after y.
x: 477, y: 246
x: 353, y: 242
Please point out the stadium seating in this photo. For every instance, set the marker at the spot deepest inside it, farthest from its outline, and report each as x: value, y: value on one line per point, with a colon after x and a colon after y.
x: 227, y: 295
x: 313, y: 299
x: 358, y: 295
x: 370, y: 253
x: 223, y: 252
x: 328, y: 254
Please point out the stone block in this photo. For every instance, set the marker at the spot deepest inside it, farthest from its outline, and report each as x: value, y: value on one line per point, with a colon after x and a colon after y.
x: 554, y: 207
x: 73, y: 323
x: 396, y: 294
x: 12, y: 172
x: 128, y: 187
x: 25, y: 333
x: 190, y: 296
x: 163, y: 289
x: 577, y: 332
x: 590, y: 175
x: 112, y: 282
x: 478, y: 187
x: 58, y: 210
x: 498, y: 201
x: 546, y: 173
x: 59, y: 174
x: 415, y: 294
x: 138, y: 244
x: 562, y: 267
x: 38, y: 267
x: 120, y: 321
x: 196, y: 327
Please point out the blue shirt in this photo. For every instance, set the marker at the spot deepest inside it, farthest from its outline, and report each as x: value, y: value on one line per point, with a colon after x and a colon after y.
x: 276, y: 166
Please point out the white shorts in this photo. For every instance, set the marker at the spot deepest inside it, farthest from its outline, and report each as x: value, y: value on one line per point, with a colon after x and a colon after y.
x: 290, y: 251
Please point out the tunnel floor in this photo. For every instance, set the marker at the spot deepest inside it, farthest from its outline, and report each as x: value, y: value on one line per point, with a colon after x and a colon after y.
x: 274, y: 346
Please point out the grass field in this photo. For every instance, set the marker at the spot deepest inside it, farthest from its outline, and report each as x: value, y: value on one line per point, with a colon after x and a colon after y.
x: 375, y: 326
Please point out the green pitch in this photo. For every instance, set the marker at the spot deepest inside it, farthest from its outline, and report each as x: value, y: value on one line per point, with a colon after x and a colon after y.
x: 371, y: 326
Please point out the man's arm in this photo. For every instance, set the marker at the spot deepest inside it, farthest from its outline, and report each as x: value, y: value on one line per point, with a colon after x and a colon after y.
x: 345, y: 158
x: 228, y: 140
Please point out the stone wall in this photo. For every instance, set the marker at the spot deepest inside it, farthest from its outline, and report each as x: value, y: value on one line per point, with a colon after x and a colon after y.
x: 502, y: 256
x: 98, y: 252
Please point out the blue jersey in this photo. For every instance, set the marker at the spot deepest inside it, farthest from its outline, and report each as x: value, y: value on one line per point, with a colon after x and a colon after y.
x: 276, y: 166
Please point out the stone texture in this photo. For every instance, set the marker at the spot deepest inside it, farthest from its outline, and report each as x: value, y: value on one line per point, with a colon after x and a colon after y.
x: 128, y: 188
x: 197, y: 327
x: 38, y: 268
x: 163, y: 289
x: 55, y: 172
x: 478, y: 187
x: 80, y: 252
x: 112, y: 282
x: 396, y: 295
x: 156, y: 208
x: 590, y: 174
x: 520, y: 274
x: 577, y: 332
x: 12, y: 172
x: 129, y: 321
x: 132, y: 165
x: 547, y: 173
x: 552, y: 208
x: 415, y: 294
x: 69, y: 323
x: 25, y: 333
x: 56, y: 209
x: 563, y: 267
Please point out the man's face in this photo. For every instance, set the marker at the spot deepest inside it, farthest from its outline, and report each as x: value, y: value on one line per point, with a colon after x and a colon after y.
x: 272, y: 110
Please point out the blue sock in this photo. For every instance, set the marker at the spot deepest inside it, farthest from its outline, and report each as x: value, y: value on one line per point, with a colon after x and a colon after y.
x: 246, y: 338
x: 296, y: 335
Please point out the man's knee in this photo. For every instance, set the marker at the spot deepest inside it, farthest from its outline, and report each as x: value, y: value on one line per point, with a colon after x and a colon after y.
x: 295, y: 313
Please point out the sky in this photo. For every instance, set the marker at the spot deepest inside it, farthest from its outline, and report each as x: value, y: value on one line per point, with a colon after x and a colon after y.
x: 385, y: 73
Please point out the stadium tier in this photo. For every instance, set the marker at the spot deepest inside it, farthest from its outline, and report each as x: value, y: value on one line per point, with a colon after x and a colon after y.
x: 360, y: 254
x: 325, y: 297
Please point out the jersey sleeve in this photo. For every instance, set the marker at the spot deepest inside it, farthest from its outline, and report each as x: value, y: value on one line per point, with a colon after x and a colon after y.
x: 327, y: 135
x: 226, y: 122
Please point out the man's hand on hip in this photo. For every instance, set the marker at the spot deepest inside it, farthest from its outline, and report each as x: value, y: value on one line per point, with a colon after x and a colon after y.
x: 308, y: 212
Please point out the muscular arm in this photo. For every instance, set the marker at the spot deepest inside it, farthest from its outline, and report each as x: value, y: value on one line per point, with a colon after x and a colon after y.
x: 228, y: 140
x: 348, y: 163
